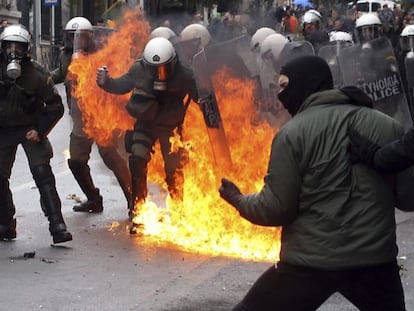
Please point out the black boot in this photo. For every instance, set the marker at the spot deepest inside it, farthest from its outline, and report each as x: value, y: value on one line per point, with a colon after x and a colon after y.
x: 45, y: 182
x: 138, y: 169
x: 81, y: 172
x: 7, y: 210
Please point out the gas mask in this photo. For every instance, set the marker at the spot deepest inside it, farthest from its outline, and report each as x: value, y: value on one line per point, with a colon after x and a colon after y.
x: 161, y: 74
x: 15, y: 52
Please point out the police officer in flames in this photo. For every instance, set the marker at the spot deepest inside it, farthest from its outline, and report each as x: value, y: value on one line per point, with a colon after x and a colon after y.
x: 159, y: 84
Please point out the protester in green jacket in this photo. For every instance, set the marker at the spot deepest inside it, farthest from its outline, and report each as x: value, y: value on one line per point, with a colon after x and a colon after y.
x: 338, y: 222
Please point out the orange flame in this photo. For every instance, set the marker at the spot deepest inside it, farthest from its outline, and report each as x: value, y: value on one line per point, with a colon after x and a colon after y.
x: 102, y: 112
x: 202, y: 222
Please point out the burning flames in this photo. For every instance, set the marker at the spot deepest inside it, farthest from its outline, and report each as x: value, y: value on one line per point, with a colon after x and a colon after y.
x: 202, y: 222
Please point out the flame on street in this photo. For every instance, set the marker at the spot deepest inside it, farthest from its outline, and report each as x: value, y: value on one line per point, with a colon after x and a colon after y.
x: 202, y: 222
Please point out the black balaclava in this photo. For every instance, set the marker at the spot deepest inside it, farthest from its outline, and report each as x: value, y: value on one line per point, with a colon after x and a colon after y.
x: 307, y: 75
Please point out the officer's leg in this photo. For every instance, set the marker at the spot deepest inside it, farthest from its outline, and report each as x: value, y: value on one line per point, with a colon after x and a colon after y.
x: 7, y: 209
x: 173, y: 165
x: 39, y: 155
x: 139, y: 143
x: 80, y: 149
x: 119, y: 167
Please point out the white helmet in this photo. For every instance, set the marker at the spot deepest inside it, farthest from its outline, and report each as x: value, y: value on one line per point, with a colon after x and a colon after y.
x: 159, y: 58
x: 273, y: 44
x: 368, y: 27
x: 407, y: 38
x: 78, y: 23
x: 311, y: 17
x: 75, y: 24
x: 16, y: 33
x: 259, y: 36
x: 163, y: 32
x: 340, y: 36
x: 368, y: 19
x: 196, y: 31
x: 408, y: 31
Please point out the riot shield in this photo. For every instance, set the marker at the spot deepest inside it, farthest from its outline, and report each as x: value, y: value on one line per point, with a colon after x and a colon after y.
x: 235, y: 54
x: 330, y: 53
x: 409, y: 76
x: 91, y: 41
x: 211, y: 112
x: 373, y: 68
x: 270, y: 108
x: 186, y: 49
x: 293, y: 50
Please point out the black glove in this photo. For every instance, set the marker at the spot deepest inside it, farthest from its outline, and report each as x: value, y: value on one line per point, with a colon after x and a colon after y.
x: 230, y: 192
x: 361, y: 149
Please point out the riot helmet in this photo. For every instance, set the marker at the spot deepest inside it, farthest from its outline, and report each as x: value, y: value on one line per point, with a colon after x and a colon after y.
x: 341, y: 37
x: 76, y: 24
x: 311, y: 21
x: 407, y: 39
x: 259, y: 36
x: 163, y: 32
x: 272, y: 46
x: 368, y: 27
x: 196, y: 31
x: 159, y: 60
x: 16, y: 45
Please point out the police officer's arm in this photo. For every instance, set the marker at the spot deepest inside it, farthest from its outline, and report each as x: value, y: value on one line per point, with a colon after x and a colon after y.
x: 390, y: 158
x: 277, y: 202
x: 52, y: 107
x: 397, y: 155
x: 59, y: 74
x: 124, y: 83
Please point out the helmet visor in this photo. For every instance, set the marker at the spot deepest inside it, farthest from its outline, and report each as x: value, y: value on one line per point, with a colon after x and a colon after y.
x: 368, y: 33
x: 161, y: 72
x: 68, y: 38
x: 407, y: 43
x: 15, y: 49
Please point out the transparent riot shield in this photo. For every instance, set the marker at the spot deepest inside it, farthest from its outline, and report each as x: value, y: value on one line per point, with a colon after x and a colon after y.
x: 373, y: 67
x: 268, y: 102
x: 211, y: 112
x: 186, y: 50
x: 235, y: 54
x: 91, y: 41
x: 409, y: 76
x: 295, y: 49
x: 330, y: 53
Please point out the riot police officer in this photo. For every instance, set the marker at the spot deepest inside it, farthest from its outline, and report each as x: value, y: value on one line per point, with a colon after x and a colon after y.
x: 80, y: 144
x: 311, y: 29
x: 193, y: 38
x: 29, y: 109
x: 405, y: 59
x: 368, y: 27
x: 59, y: 74
x: 159, y: 83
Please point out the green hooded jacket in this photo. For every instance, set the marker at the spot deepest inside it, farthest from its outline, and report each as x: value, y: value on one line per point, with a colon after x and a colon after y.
x: 334, y: 215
